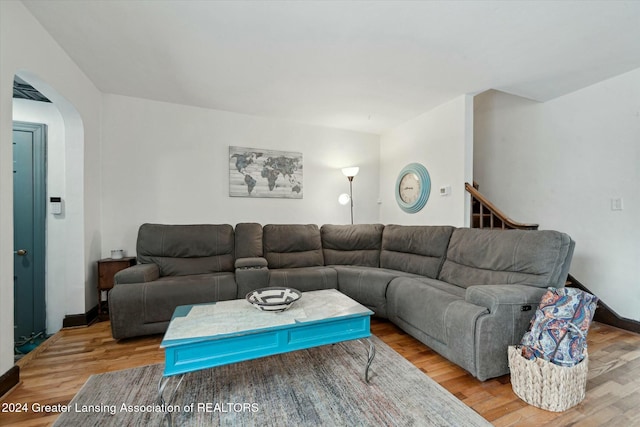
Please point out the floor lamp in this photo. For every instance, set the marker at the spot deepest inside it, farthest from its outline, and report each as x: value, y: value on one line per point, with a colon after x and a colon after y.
x: 344, y: 198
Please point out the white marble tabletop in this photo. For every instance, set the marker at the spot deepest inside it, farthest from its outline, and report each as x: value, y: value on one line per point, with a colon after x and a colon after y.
x: 239, y: 317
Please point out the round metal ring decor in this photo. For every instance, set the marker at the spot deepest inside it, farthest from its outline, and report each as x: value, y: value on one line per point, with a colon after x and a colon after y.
x: 413, y: 187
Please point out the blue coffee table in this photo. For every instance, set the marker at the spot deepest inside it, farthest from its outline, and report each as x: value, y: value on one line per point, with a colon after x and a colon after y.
x: 208, y: 335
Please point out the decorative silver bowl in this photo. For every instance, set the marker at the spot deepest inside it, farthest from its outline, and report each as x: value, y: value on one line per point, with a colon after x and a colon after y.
x: 273, y: 299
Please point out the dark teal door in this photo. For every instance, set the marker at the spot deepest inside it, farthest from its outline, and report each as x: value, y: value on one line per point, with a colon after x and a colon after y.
x: 29, y: 213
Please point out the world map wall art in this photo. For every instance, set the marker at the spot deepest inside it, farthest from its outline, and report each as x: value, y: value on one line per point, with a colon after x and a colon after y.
x: 255, y: 172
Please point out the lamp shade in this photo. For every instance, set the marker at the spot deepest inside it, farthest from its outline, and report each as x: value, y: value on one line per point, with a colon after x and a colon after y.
x: 350, y: 172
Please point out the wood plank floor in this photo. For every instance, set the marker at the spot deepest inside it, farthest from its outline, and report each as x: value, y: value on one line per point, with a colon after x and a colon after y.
x: 54, y: 372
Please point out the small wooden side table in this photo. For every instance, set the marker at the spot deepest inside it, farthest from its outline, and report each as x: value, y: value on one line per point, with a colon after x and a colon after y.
x: 107, y: 268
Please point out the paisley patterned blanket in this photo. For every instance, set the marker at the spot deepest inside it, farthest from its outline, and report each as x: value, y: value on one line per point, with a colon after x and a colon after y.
x: 558, y: 330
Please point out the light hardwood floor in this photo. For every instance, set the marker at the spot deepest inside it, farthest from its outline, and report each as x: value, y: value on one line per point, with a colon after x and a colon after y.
x: 53, y: 373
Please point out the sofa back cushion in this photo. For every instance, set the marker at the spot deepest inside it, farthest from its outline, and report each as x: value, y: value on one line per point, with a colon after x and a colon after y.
x: 352, y: 244
x: 292, y: 245
x: 180, y: 250
x: 248, y: 240
x: 415, y: 249
x: 503, y: 257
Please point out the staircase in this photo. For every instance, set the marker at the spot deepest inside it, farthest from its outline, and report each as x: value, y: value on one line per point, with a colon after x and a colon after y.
x: 485, y: 215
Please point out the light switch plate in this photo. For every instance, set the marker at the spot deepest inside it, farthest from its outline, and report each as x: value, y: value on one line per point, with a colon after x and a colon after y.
x: 617, y: 204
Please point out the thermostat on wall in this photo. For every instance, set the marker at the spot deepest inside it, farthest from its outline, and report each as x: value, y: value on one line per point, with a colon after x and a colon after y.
x: 55, y: 205
x: 445, y: 191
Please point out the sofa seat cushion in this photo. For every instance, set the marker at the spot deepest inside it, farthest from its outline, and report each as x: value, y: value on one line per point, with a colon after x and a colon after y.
x: 292, y: 245
x: 429, y: 306
x: 367, y: 285
x: 444, y: 286
x: 352, y: 244
x: 304, y: 279
x: 484, y: 257
x: 161, y: 297
x: 180, y: 250
x: 415, y: 249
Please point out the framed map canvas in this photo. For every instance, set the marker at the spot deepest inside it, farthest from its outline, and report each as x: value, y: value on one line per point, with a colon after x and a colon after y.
x: 255, y: 172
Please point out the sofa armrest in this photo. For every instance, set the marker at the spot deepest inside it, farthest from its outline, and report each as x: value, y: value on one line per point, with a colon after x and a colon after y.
x: 511, y: 308
x: 251, y: 273
x: 494, y: 296
x: 139, y: 273
x: 251, y: 263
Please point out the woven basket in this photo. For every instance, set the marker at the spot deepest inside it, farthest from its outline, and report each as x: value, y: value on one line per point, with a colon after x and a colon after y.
x: 545, y: 385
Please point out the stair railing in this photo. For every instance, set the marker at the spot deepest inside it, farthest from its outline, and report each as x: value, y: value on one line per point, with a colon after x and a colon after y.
x: 485, y: 214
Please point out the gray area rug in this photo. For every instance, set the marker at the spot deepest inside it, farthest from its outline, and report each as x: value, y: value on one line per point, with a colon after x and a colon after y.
x: 322, y: 386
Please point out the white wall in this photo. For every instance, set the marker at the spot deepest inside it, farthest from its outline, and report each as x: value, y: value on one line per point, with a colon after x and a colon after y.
x: 26, y: 48
x: 56, y: 244
x: 559, y: 164
x: 441, y: 140
x: 168, y: 163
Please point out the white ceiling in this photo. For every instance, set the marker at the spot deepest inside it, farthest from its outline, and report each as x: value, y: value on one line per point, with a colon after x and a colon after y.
x: 361, y: 65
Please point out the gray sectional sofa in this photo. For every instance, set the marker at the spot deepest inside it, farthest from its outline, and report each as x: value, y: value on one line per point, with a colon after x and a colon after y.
x: 466, y: 293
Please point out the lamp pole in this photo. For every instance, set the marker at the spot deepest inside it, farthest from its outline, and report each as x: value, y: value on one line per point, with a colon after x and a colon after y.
x: 351, y: 196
